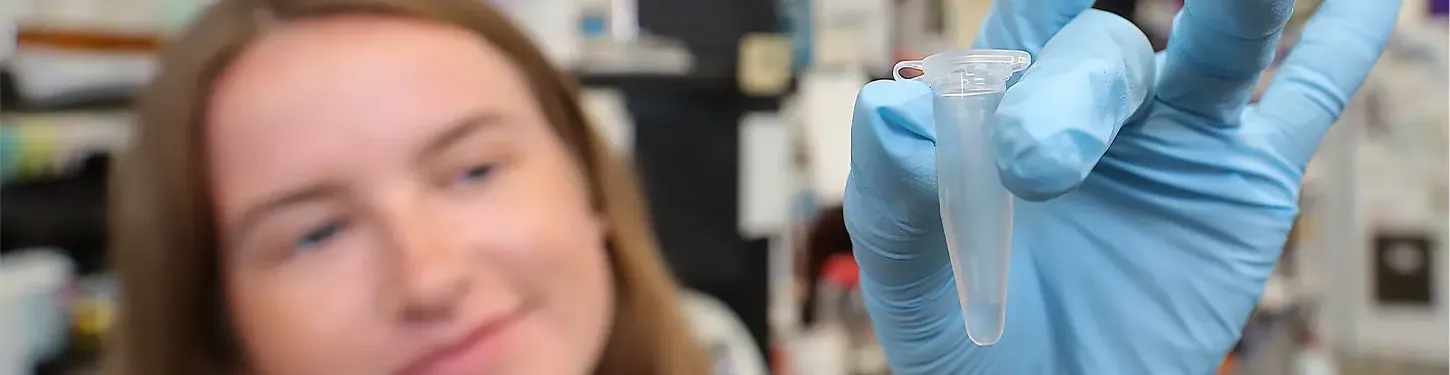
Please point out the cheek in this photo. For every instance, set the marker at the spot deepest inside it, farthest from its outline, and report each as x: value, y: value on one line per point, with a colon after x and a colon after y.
x: 547, y: 248
x: 290, y: 326
x: 536, y: 226
x: 534, y: 218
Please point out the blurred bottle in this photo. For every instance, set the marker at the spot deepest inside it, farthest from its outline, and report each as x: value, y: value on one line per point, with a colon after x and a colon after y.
x: 594, y: 20
x: 176, y: 15
x: 842, y: 305
x: 1314, y: 360
x: 33, y: 303
x: 11, y: 13
x: 795, y: 19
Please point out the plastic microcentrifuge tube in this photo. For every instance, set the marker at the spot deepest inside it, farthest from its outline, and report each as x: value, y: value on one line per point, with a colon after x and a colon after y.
x: 976, y: 209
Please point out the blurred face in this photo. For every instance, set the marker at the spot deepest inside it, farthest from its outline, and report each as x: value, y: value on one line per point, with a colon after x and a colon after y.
x: 392, y: 200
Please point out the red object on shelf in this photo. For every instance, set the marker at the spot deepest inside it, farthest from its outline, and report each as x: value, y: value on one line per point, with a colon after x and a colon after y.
x: 778, y: 360
x: 841, y: 271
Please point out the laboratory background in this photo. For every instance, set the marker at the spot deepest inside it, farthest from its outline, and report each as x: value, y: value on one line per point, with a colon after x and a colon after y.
x: 732, y: 112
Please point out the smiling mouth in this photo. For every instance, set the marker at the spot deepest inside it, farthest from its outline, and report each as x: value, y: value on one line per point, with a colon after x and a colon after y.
x: 467, y: 350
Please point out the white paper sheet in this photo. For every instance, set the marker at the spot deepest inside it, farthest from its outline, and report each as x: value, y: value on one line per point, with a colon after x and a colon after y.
x: 766, y: 175
x: 825, y: 107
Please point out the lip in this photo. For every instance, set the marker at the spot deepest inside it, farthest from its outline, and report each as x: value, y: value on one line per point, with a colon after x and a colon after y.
x: 466, y: 353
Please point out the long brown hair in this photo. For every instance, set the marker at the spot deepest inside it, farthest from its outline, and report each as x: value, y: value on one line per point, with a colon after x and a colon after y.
x: 173, y: 314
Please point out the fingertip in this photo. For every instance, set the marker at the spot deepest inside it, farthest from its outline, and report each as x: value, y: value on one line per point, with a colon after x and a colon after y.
x: 1054, y: 126
x: 897, y: 96
x: 892, y: 139
x: 1039, y: 157
x: 894, y: 114
x: 1046, y: 168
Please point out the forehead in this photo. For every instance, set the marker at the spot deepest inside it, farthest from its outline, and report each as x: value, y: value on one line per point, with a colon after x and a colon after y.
x: 315, y: 94
x: 366, y: 65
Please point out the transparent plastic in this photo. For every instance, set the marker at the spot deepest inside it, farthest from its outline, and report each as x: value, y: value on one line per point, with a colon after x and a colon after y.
x: 976, y: 210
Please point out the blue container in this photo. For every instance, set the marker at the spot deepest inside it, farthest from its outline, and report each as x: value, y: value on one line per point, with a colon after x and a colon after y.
x: 796, y: 22
x: 9, y: 153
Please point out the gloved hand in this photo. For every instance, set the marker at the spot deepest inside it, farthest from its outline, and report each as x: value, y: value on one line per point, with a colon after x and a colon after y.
x: 1152, y: 199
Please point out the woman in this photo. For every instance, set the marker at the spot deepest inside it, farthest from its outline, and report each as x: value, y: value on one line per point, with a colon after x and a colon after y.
x: 380, y: 187
x: 405, y: 186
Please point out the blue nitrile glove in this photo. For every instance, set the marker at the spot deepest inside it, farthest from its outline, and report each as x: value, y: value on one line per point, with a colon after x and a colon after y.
x: 1151, y: 263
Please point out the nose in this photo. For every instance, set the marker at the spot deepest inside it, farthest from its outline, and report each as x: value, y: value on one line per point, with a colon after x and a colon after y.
x: 431, y: 267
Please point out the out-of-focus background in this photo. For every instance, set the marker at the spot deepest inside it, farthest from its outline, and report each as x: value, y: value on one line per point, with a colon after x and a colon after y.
x: 736, y: 113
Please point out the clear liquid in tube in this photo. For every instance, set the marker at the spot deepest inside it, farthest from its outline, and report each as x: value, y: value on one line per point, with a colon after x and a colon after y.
x: 976, y: 208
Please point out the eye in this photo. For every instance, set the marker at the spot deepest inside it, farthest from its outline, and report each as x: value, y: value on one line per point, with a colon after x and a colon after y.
x: 473, y: 173
x: 318, y: 236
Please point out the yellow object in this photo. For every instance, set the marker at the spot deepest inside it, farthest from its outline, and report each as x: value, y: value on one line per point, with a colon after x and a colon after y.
x: 765, y: 64
x: 92, y: 319
x: 37, y: 149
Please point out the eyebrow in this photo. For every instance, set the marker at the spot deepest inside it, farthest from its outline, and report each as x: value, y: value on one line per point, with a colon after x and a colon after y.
x: 456, y: 132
